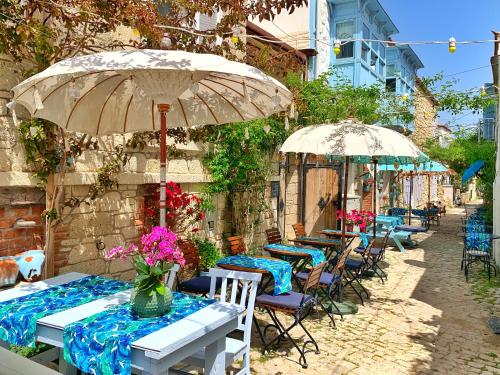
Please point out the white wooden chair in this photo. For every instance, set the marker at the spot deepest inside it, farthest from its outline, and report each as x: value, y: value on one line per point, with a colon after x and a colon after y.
x: 244, y: 287
x: 171, y: 275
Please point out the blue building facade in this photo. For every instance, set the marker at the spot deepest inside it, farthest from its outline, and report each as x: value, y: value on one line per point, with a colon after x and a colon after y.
x: 364, y: 61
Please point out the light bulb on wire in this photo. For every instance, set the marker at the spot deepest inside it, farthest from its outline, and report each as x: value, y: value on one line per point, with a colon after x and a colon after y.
x: 336, y: 47
x: 404, y: 98
x: 482, y: 91
x: 452, y: 45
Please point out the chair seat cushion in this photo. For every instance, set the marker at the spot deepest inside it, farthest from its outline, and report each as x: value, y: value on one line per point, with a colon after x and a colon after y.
x: 200, y: 284
x: 234, y: 351
x: 289, y: 300
x: 326, y: 278
x: 353, y: 263
x: 373, y: 251
x: 411, y: 228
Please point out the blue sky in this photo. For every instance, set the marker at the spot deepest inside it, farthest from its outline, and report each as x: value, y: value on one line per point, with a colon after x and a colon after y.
x: 439, y: 20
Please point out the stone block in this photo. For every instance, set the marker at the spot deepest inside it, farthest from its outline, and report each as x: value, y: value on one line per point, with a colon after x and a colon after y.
x: 136, y: 164
x: 129, y: 194
x: 79, y: 190
x: 153, y: 166
x: 91, y: 225
x: 118, y: 265
x: 123, y: 220
x: 110, y: 202
x: 91, y: 267
x: 82, y: 253
x: 113, y: 240
x: 195, y: 166
x: 130, y: 233
x: 5, y: 160
x: 177, y: 166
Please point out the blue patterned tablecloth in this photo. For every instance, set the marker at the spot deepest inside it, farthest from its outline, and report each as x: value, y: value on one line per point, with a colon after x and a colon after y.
x: 101, y: 343
x: 317, y: 256
x: 332, y: 241
x: 18, y: 316
x: 281, y: 270
x: 391, y: 221
x: 338, y: 232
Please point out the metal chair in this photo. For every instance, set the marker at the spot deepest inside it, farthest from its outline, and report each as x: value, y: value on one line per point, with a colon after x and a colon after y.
x: 478, y: 247
x: 377, y: 253
x: 355, y: 269
x: 331, y: 284
x: 196, y: 285
x: 297, y: 305
x: 243, y: 290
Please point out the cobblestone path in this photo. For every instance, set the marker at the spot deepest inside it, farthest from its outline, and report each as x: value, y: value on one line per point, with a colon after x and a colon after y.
x: 423, y: 320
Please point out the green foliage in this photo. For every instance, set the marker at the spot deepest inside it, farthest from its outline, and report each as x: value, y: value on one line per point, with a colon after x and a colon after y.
x: 29, y: 352
x: 462, y: 151
x: 149, y: 279
x: 319, y: 101
x: 208, y: 252
x: 454, y: 101
x: 38, y: 138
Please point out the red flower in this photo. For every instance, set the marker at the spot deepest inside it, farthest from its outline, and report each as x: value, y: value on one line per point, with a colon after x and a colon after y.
x: 201, y: 216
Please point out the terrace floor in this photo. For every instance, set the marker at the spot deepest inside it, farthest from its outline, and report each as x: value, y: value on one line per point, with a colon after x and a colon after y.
x: 424, y: 320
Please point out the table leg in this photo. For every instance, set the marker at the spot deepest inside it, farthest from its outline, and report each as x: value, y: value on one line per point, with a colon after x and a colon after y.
x: 4, y: 344
x: 398, y: 244
x: 215, y: 357
x: 64, y: 367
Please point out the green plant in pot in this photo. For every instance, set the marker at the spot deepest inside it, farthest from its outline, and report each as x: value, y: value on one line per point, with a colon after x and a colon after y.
x: 208, y: 252
x: 155, y: 257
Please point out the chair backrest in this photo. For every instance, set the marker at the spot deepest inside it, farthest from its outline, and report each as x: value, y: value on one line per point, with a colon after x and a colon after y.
x: 236, y: 245
x: 299, y: 229
x: 273, y: 235
x: 190, y: 253
x: 171, y: 275
x: 244, y: 285
x: 382, y: 242
x: 340, y: 266
x: 314, y: 278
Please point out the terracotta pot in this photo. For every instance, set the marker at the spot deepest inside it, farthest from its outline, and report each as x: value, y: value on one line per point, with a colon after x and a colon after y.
x: 8, y: 271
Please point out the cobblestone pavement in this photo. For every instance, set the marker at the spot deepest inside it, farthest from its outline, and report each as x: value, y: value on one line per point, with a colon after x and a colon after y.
x: 423, y: 320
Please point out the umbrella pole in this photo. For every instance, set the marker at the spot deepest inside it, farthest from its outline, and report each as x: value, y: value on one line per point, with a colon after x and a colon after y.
x: 344, y: 201
x: 429, y: 191
x: 411, y: 193
x: 163, y: 109
x: 375, y: 162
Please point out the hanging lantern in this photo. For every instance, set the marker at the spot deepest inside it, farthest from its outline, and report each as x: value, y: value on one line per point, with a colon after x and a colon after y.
x: 267, y: 128
x: 136, y: 32
x: 452, y: 45
x: 404, y: 98
x: 235, y: 39
x: 276, y: 99
x: 336, y: 47
x: 482, y: 91
x: 287, y: 124
x: 166, y: 42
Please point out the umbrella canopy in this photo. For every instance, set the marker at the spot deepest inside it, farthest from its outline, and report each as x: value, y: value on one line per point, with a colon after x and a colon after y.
x: 357, y: 142
x: 118, y: 92
x: 362, y: 143
x: 142, y: 90
x: 427, y: 167
x: 472, y: 170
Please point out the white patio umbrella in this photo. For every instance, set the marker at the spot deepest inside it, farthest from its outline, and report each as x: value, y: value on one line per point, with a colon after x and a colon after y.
x: 143, y: 90
x: 350, y: 140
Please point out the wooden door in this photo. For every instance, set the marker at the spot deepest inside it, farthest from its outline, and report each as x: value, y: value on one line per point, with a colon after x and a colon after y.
x: 321, y: 198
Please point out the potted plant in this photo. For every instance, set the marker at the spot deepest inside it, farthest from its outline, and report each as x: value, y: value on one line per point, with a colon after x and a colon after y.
x: 155, y: 256
x: 209, y: 254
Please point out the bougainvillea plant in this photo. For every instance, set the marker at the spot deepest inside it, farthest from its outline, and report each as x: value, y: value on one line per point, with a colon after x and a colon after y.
x: 155, y: 256
x: 362, y: 218
x: 184, y: 210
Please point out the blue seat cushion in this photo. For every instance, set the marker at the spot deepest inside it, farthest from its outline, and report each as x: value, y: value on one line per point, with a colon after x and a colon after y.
x: 326, y: 278
x: 353, y: 263
x: 411, y: 228
x: 289, y: 300
x: 200, y: 284
x: 373, y: 251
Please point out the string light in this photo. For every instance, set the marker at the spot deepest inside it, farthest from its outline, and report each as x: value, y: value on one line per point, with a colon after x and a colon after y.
x: 452, y: 45
x: 482, y: 91
x: 336, y: 47
x: 404, y: 98
x: 166, y: 42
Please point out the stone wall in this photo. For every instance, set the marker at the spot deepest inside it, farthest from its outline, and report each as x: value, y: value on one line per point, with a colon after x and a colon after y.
x: 323, y: 33
x: 425, y: 115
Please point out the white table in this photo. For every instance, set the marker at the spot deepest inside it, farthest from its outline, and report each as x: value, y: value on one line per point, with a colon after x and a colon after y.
x: 156, y: 352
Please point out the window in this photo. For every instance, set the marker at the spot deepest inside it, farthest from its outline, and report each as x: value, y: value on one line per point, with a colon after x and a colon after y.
x: 345, y: 31
x: 391, y: 70
x: 373, y: 61
x: 366, y: 32
x: 381, y: 67
x: 365, y: 50
x: 382, y: 51
x: 390, y: 85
